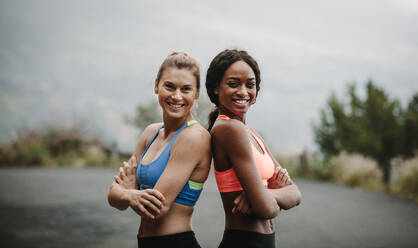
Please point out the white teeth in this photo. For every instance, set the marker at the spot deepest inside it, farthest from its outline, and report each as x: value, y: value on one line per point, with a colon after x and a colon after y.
x: 176, y: 106
x: 241, y: 101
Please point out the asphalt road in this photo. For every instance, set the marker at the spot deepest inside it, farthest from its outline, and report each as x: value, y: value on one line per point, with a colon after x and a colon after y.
x: 67, y: 207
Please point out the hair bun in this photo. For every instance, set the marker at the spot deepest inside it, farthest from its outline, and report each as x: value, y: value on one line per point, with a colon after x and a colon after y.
x: 173, y: 53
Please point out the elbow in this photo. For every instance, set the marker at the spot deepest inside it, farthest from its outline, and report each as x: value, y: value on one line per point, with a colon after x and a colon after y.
x: 269, y: 212
x: 294, y: 200
x: 297, y: 196
x: 113, y: 202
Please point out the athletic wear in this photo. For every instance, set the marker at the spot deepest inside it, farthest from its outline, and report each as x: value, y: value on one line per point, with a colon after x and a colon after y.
x: 227, y: 180
x: 148, y: 174
x: 178, y: 240
x: 247, y: 239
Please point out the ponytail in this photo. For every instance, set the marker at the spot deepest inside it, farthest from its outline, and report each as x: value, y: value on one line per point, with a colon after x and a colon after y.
x: 212, y: 117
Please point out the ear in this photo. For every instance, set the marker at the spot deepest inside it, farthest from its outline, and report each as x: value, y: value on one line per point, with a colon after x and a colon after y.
x: 197, y: 95
x: 156, y: 87
x: 216, y: 91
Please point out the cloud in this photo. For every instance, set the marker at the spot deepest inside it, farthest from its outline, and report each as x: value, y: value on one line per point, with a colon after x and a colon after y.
x: 96, y: 60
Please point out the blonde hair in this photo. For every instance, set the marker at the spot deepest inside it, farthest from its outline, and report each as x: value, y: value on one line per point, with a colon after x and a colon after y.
x: 180, y: 60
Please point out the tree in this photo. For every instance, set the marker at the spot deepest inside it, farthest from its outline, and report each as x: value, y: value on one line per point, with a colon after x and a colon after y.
x: 411, y: 127
x: 146, y: 114
x: 373, y: 126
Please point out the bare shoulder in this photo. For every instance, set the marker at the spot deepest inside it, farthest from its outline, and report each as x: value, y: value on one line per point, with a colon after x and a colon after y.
x: 153, y: 127
x: 195, y: 135
x: 228, y: 130
x: 150, y: 130
x: 145, y: 138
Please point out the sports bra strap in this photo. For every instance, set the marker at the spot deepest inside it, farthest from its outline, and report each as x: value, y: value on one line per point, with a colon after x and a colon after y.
x: 257, y: 139
x: 189, y: 123
x: 223, y: 117
x: 152, y: 140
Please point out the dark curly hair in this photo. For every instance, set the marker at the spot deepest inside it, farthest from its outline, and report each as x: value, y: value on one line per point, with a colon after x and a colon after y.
x: 216, y: 71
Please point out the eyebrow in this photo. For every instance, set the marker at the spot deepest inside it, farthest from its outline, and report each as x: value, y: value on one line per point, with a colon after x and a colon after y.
x: 171, y: 83
x: 237, y: 78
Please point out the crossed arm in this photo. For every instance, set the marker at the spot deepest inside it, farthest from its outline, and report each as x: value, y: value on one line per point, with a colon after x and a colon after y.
x: 229, y: 137
x: 280, y: 186
x: 191, y: 148
x: 124, y: 191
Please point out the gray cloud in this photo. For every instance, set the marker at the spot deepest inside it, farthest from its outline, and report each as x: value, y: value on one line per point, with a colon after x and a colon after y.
x: 96, y: 60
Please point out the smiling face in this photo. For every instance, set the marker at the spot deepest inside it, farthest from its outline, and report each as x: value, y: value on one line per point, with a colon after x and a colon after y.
x: 237, y: 89
x: 177, y: 90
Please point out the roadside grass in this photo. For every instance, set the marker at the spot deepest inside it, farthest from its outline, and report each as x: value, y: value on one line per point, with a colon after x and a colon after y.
x: 357, y: 171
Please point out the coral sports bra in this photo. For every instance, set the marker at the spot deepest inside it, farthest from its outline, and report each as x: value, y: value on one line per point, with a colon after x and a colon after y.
x: 227, y: 180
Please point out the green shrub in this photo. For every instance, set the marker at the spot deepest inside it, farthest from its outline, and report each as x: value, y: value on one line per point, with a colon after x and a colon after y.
x: 95, y: 156
x: 54, y: 145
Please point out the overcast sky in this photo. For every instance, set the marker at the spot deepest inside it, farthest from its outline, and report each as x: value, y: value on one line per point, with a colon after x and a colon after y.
x: 94, y: 61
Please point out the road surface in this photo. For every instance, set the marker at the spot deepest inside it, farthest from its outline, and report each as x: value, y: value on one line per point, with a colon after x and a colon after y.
x: 67, y: 207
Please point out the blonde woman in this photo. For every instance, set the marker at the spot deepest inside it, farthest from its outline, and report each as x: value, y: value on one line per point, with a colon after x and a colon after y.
x: 164, y: 178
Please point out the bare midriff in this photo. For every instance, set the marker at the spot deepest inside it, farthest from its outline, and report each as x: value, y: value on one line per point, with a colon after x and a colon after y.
x: 176, y: 220
x: 245, y: 222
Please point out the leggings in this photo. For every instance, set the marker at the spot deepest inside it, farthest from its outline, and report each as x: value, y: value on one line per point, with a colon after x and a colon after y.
x: 184, y: 239
x: 247, y: 239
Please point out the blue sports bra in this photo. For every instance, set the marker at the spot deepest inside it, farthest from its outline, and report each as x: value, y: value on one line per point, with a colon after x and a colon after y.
x: 147, y: 175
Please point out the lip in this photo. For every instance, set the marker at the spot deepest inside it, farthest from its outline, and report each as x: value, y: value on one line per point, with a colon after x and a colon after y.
x: 241, y: 102
x: 176, y: 106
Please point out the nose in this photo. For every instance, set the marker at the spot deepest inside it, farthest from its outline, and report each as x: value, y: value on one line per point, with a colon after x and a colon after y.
x: 176, y: 95
x: 242, y: 91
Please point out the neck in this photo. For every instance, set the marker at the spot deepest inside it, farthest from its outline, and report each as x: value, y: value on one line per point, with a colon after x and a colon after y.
x: 225, y: 111
x: 174, y: 124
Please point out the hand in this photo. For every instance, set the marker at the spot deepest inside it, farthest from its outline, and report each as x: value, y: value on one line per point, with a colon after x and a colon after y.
x: 280, y: 179
x: 127, y: 174
x: 241, y: 204
x: 147, y: 202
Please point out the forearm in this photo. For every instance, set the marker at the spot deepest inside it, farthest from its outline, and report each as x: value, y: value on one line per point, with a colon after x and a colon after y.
x: 287, y: 197
x: 118, y: 197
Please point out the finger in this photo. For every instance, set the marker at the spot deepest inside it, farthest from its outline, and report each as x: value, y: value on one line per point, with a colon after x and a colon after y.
x: 150, y: 206
x: 145, y: 211
x: 136, y: 162
x: 133, y: 160
x: 125, y: 165
x: 127, y: 169
x: 133, y: 164
x: 154, y: 200
x: 238, y: 198
x: 157, y: 194
x: 130, y: 163
x: 282, y: 174
x: 234, y: 209
x: 276, y: 172
x: 285, y: 180
x: 121, y: 173
x: 241, y: 204
x: 117, y: 179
